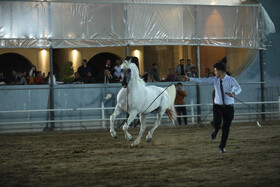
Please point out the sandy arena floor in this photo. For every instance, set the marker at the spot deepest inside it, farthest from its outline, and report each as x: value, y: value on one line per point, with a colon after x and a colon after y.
x: 180, y: 156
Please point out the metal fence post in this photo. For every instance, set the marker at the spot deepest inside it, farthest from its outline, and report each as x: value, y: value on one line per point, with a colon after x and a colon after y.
x: 103, y: 114
x: 279, y: 106
x: 192, y: 111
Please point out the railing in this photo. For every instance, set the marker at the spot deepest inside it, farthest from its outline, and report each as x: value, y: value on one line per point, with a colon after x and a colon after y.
x: 204, y: 118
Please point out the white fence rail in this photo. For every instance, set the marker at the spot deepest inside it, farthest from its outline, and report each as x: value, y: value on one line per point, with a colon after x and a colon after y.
x: 191, y: 107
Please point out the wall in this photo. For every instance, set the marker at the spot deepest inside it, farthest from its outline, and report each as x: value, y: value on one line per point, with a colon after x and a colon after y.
x: 38, y: 57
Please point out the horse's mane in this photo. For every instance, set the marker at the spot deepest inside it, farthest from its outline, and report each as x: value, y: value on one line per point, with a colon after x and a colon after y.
x: 134, y: 69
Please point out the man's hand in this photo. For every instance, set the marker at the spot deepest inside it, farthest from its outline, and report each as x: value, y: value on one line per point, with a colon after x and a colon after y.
x: 231, y: 94
x: 187, y: 78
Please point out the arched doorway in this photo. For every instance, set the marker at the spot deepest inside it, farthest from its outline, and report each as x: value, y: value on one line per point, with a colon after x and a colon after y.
x: 98, y: 63
x: 13, y: 61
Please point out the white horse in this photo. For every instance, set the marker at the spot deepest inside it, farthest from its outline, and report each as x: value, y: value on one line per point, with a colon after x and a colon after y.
x: 141, y: 99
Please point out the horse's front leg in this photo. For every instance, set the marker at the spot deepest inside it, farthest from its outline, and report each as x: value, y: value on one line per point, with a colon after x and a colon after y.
x: 117, y: 111
x: 142, y: 129
x: 131, y: 117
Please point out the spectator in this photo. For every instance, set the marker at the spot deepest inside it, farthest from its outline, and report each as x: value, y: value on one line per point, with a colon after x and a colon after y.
x: 109, y: 67
x: 15, y: 78
x: 146, y: 76
x: 154, y: 73
x: 192, y: 73
x: 108, y: 78
x: 180, y: 70
x: 89, y: 78
x: 77, y: 78
x: 21, y: 80
x: 84, y: 69
x: 208, y: 73
x: 2, y: 79
x: 171, y: 75
x: 39, y: 78
x: 117, y: 73
x: 189, y: 66
x: 180, y: 100
x: 32, y: 74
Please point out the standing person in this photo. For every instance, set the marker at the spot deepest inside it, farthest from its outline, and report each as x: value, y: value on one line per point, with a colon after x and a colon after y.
x: 180, y: 100
x: 154, y: 73
x: 117, y: 73
x: 32, y: 74
x: 226, y: 88
x: 189, y: 66
x: 180, y: 70
x: 146, y: 76
x: 108, y: 78
x: 83, y: 70
x: 109, y: 67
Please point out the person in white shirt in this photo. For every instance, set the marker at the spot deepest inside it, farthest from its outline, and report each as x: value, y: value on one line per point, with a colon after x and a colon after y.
x: 226, y: 88
x: 117, y: 72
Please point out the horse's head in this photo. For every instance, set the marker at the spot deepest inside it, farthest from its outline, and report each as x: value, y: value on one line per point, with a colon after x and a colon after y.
x: 128, y: 71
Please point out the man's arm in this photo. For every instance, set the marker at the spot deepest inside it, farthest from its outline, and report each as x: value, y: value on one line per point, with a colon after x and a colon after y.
x: 236, y: 88
x: 209, y: 80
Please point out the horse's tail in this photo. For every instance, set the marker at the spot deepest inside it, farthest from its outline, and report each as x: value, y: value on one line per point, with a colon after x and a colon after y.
x: 171, y: 112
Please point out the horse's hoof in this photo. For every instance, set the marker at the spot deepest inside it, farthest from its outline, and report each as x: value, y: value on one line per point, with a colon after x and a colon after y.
x: 114, y: 135
x: 149, y: 139
x: 129, y: 138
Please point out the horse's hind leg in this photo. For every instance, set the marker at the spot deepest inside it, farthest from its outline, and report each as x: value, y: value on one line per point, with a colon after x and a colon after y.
x: 142, y: 129
x: 117, y: 111
x: 157, y: 123
x: 131, y: 117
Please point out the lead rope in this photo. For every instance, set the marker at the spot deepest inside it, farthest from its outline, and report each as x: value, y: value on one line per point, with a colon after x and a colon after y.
x: 158, y: 96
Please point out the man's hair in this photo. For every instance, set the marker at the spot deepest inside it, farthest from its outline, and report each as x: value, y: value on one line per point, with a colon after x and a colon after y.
x: 84, y: 60
x: 179, y: 83
x: 220, y: 66
x: 181, y: 60
x: 154, y: 64
x: 188, y: 60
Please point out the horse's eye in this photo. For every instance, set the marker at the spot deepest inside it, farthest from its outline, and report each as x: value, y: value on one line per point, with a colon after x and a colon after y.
x: 129, y: 70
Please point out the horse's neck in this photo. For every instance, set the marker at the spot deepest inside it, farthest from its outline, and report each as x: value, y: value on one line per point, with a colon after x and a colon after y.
x: 135, y: 86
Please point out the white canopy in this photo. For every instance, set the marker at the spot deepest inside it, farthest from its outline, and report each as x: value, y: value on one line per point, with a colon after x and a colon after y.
x: 97, y: 23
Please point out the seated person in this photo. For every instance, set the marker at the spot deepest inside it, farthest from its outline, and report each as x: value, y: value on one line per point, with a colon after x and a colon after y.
x: 171, y: 75
x: 208, y: 73
x: 192, y: 73
x: 89, y: 78
x: 77, y: 78
x: 21, y: 80
x: 39, y: 78
x: 2, y: 79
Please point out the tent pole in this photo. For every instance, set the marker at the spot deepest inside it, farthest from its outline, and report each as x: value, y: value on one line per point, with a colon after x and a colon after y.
x: 197, y: 65
x: 51, y: 67
x: 262, y: 84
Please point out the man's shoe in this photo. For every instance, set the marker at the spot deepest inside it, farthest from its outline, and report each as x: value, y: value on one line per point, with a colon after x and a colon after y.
x: 222, y: 150
x: 214, y: 134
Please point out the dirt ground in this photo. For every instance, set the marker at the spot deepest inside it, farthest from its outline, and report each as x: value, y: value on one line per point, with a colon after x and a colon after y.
x: 178, y: 156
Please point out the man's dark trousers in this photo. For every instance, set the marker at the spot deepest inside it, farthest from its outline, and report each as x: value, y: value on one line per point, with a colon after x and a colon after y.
x: 181, y: 110
x: 225, y: 113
